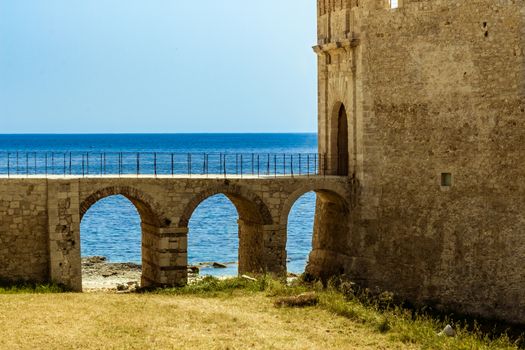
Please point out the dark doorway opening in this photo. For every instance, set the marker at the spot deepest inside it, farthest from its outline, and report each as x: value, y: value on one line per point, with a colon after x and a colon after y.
x: 342, y: 142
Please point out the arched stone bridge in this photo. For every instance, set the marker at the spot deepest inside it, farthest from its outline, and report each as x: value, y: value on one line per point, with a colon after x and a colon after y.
x: 166, y: 204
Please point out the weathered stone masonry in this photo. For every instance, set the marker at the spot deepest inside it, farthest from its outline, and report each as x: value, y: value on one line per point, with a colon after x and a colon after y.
x: 40, y: 227
x: 432, y: 90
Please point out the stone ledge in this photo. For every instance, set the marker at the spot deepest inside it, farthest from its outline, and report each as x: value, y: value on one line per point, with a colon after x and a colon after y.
x: 325, y: 48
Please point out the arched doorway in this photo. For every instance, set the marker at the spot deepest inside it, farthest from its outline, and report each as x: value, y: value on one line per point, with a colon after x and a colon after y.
x: 111, y: 241
x: 330, y: 236
x: 137, y: 234
x: 342, y: 142
x: 300, y: 227
x: 213, y: 224
x: 254, y: 221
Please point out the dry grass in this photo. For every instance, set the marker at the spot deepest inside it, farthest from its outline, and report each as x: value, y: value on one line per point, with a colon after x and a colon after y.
x: 157, y: 321
x: 228, y: 314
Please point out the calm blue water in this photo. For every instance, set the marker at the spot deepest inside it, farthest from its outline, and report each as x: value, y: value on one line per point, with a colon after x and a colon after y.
x: 178, y: 143
x: 111, y: 227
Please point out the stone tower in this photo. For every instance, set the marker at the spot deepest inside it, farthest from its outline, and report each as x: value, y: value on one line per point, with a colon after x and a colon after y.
x: 423, y: 107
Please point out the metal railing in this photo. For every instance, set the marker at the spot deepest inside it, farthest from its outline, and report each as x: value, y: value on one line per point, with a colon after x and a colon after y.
x: 92, y: 164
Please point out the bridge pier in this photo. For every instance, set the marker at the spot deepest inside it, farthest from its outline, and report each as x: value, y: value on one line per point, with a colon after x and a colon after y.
x: 262, y: 249
x: 64, y: 233
x: 275, y: 250
x: 331, y: 241
x: 164, y: 256
x: 251, y: 248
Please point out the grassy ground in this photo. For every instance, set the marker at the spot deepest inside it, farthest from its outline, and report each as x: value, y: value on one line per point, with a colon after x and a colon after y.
x: 234, y: 314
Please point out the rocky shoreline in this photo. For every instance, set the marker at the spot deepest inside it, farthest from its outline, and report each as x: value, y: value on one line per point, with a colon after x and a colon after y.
x: 100, y: 274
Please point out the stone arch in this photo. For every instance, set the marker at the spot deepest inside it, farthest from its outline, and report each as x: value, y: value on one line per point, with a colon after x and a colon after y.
x: 248, y: 204
x: 254, y: 222
x: 331, y: 234
x: 339, y: 155
x: 327, y: 188
x: 146, y: 206
x: 152, y: 222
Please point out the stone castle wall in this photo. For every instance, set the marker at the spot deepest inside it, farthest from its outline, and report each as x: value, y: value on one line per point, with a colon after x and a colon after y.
x: 433, y: 87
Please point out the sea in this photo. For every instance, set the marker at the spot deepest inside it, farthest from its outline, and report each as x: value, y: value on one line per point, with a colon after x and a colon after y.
x: 111, y: 227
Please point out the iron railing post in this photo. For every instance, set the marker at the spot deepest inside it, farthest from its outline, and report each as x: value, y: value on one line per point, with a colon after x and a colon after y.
x: 224, y: 164
x: 203, y: 164
x: 203, y: 167
x: 291, y: 164
x: 275, y: 165
x: 172, y: 165
x: 207, y: 164
x: 138, y: 164
x: 308, y: 165
x: 155, y: 163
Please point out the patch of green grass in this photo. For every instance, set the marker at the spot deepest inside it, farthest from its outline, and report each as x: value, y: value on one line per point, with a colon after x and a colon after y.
x: 29, y: 288
x: 212, y: 287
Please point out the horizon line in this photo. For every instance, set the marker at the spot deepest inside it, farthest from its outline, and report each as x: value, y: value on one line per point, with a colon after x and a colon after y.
x: 161, y: 133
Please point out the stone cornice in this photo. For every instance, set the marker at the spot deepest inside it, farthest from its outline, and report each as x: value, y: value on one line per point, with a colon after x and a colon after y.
x: 332, y: 46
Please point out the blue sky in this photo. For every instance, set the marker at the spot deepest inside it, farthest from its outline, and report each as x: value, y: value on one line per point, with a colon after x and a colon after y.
x: 72, y: 66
